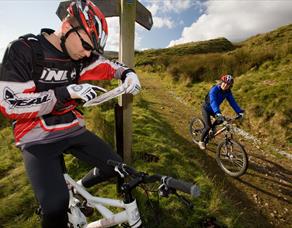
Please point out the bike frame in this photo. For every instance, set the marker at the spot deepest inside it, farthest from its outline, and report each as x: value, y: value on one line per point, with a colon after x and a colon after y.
x: 130, y: 214
x: 219, y: 131
x: 227, y: 126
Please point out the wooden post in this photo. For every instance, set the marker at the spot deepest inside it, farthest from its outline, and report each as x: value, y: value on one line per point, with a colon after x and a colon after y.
x: 126, y: 56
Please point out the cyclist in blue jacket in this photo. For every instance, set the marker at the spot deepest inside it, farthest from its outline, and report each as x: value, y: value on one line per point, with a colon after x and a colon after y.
x: 211, y: 106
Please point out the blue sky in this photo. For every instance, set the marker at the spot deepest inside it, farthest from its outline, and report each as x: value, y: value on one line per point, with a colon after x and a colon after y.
x: 175, y: 21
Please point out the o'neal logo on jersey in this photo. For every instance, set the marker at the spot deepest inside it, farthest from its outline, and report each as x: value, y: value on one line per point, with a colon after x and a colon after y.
x: 15, y: 101
x: 56, y: 75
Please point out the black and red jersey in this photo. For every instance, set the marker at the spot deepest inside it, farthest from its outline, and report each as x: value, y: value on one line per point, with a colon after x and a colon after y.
x: 40, y: 108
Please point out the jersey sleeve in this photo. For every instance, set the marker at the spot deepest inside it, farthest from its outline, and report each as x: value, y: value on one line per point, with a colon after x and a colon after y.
x: 103, y: 69
x: 18, y: 99
x: 233, y: 103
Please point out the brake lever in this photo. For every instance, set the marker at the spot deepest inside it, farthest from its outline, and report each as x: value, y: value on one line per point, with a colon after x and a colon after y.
x: 184, y: 200
x: 120, y: 170
x: 163, y: 190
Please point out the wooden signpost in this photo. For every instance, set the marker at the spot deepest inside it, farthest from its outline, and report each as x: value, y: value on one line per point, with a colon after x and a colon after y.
x: 129, y: 11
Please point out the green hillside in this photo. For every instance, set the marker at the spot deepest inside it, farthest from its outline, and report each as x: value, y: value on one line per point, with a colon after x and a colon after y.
x: 262, y: 66
x: 202, y: 47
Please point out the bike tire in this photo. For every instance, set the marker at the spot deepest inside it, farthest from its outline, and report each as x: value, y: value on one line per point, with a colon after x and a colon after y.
x: 232, y: 158
x: 196, y: 127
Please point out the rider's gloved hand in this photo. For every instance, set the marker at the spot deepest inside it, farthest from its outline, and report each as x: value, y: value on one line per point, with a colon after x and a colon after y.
x: 241, y: 115
x: 132, y: 83
x: 219, y: 118
x: 84, y: 91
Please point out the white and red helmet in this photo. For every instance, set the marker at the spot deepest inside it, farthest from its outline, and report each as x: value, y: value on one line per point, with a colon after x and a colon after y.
x: 228, y: 79
x: 92, y: 20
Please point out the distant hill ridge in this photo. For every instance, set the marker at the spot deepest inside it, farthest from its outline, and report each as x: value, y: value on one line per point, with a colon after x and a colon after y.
x: 200, y: 47
x: 205, y: 60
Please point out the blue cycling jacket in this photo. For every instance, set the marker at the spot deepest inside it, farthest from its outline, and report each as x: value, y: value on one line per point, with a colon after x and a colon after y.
x: 216, y: 96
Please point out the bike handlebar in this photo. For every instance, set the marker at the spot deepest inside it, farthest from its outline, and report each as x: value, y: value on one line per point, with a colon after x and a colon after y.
x: 168, y: 182
x: 183, y: 186
x: 231, y: 119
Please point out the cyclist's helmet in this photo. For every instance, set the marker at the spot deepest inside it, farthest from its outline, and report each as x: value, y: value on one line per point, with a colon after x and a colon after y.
x: 92, y: 20
x: 228, y: 79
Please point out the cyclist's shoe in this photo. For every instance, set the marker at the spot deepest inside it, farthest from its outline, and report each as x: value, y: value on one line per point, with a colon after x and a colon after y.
x: 202, y: 145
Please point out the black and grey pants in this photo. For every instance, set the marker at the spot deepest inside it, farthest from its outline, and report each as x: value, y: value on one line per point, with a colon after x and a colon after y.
x: 206, y: 115
x: 45, y: 172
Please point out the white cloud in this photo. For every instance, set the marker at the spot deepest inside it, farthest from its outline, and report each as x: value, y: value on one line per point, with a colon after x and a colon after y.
x: 176, y: 6
x: 2, y: 50
x: 169, y: 6
x: 112, y: 43
x: 159, y: 22
x: 113, y: 40
x: 153, y: 8
x: 237, y: 20
x: 161, y: 10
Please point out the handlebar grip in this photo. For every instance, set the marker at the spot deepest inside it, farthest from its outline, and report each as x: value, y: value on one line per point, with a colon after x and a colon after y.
x: 122, y: 166
x: 183, y: 186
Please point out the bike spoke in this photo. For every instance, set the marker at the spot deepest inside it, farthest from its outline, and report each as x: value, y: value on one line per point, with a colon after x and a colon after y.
x: 196, y: 127
x: 232, y: 158
x: 238, y: 163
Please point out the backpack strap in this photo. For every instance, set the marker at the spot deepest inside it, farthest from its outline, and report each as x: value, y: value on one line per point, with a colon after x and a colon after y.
x: 37, y: 56
x: 38, y: 60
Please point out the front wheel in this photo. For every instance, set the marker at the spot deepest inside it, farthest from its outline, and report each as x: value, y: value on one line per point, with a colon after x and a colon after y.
x: 196, y: 127
x: 232, y: 158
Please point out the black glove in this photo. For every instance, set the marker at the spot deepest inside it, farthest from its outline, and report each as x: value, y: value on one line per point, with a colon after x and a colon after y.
x: 219, y: 118
x: 240, y: 115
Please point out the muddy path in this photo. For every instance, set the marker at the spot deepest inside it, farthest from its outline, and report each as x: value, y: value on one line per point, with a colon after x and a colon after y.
x: 264, y: 192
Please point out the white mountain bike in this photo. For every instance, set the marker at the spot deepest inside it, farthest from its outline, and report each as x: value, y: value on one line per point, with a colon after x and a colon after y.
x: 83, y: 204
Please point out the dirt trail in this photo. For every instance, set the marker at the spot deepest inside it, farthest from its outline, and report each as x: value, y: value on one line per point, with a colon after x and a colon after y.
x: 265, y: 190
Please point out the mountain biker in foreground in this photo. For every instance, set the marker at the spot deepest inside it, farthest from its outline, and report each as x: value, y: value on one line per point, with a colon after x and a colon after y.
x: 211, y: 107
x: 41, y: 78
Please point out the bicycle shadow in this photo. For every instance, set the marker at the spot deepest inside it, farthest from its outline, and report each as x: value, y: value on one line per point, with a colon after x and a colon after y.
x: 266, y: 191
x: 273, y: 168
x: 271, y: 173
x: 270, y: 169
